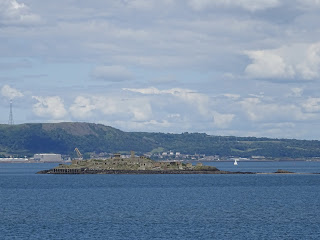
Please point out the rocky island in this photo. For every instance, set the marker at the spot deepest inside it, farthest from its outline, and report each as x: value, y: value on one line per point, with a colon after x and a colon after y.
x: 133, y: 165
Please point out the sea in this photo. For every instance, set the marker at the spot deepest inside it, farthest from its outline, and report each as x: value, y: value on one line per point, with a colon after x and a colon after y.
x: 262, y: 206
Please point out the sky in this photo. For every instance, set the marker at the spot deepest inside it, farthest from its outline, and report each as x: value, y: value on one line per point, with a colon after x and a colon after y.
x: 221, y: 67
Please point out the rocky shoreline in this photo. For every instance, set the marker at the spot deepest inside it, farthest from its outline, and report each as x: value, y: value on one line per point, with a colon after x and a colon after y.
x: 104, y: 171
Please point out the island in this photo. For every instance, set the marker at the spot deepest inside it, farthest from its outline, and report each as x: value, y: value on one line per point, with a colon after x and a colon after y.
x: 133, y: 165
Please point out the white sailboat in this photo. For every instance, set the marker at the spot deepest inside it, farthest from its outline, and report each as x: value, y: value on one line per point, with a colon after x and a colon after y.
x: 235, y: 162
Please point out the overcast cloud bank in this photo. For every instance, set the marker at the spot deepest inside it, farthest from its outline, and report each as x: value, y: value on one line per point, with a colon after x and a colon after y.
x: 246, y: 67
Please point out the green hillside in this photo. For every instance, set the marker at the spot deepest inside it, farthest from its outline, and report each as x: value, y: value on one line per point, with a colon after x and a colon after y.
x: 28, y: 139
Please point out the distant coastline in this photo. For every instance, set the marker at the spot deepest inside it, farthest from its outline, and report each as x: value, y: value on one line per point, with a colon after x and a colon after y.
x: 139, y: 165
x: 100, y: 141
x: 141, y: 172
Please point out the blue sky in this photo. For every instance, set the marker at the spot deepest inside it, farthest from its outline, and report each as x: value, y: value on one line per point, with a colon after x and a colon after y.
x: 245, y: 68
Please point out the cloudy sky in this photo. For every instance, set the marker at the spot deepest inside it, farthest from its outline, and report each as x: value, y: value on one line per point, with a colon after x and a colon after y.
x: 223, y: 67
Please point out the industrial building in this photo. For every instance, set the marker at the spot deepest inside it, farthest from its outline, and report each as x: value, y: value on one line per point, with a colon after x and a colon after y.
x: 47, y: 157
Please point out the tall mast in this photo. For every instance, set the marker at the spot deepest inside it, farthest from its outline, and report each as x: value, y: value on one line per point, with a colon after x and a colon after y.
x: 10, y: 114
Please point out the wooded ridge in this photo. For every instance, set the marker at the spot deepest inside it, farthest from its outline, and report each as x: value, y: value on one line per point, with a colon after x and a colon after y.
x: 28, y: 139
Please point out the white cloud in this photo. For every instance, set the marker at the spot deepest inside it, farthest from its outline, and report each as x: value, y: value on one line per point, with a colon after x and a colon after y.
x: 251, y: 5
x: 112, y: 73
x: 14, y: 13
x: 186, y: 94
x: 200, y: 44
x: 141, y: 4
x: 174, y: 115
x: 267, y: 64
x: 146, y: 5
x: 259, y: 111
x: 310, y: 4
x: 10, y: 92
x: 48, y: 107
x: 165, y: 109
x: 113, y: 107
x: 82, y: 107
x: 296, y: 92
x: 222, y: 120
x: 287, y: 62
x: 309, y: 66
x: 151, y: 90
x: 156, y: 60
x: 232, y: 96
x: 141, y: 112
x: 201, y: 101
x: 311, y: 105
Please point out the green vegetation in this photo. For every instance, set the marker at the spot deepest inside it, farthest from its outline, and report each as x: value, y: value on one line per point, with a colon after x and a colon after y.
x: 28, y: 139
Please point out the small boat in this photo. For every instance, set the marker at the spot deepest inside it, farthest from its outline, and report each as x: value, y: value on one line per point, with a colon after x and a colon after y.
x: 235, y: 162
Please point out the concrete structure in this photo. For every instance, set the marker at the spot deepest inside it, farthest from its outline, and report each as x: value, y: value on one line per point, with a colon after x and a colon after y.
x: 199, y: 164
x: 47, y: 157
x: 133, y: 163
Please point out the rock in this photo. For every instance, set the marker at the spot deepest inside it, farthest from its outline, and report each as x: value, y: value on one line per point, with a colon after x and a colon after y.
x: 283, y: 171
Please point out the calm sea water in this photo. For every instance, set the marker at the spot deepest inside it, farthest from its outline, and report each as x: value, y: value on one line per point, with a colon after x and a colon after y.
x: 161, y: 206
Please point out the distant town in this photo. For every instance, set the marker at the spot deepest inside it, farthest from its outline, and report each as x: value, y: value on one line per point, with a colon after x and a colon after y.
x: 163, y: 156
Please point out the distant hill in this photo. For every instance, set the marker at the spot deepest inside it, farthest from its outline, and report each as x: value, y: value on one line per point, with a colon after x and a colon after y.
x: 31, y: 138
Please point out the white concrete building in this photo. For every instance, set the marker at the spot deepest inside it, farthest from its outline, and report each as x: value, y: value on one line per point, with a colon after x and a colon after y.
x: 47, y: 157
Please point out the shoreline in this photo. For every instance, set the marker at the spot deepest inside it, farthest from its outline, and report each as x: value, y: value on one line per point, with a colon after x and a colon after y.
x: 135, y: 172
x: 150, y: 172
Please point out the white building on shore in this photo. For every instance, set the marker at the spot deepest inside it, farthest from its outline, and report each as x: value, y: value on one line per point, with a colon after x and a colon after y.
x: 47, y: 157
x: 11, y: 159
